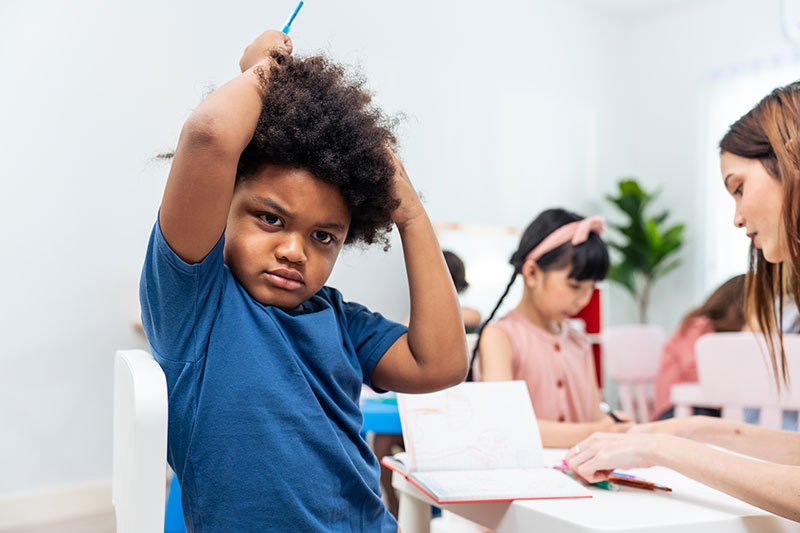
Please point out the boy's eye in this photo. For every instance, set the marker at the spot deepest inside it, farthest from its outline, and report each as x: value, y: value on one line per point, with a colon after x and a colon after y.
x: 323, y: 236
x: 270, y: 219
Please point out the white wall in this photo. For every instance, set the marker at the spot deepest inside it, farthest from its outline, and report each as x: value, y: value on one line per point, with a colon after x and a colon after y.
x: 508, y: 113
x: 671, y: 58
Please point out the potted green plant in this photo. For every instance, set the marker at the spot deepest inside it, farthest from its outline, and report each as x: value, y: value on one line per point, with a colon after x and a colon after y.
x: 647, y: 246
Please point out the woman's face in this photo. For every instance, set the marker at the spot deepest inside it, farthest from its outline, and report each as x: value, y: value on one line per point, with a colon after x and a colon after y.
x: 758, y: 199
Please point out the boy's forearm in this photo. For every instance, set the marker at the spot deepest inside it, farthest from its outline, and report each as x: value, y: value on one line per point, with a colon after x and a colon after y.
x: 436, y: 328
x: 228, y: 116
x: 197, y: 197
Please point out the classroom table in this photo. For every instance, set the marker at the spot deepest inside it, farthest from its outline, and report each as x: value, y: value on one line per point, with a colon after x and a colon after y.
x: 380, y: 415
x: 690, y: 508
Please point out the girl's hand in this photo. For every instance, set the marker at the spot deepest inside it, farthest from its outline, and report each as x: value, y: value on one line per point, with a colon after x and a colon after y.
x: 594, y: 458
x: 614, y: 421
x: 259, y: 50
x: 410, y: 206
x: 623, y: 417
x: 612, y: 426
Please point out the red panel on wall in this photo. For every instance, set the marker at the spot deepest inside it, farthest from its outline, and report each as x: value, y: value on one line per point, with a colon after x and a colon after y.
x: 591, y: 316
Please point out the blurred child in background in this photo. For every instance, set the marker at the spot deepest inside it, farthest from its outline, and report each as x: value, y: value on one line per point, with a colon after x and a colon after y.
x: 560, y: 258
x: 472, y: 317
x: 722, y: 311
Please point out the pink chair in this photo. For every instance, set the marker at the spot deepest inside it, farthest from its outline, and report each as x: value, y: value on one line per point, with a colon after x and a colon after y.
x: 632, y: 355
x: 734, y: 373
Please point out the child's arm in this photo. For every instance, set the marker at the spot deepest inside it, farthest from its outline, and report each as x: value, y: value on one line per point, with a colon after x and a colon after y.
x: 433, y: 354
x: 496, y: 365
x: 472, y: 317
x: 496, y: 360
x: 199, y: 189
x: 566, y: 434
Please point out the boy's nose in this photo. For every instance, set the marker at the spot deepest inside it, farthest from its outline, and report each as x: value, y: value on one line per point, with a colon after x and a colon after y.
x: 291, y: 249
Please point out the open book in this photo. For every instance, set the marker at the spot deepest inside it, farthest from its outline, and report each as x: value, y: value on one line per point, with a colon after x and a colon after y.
x: 477, y: 442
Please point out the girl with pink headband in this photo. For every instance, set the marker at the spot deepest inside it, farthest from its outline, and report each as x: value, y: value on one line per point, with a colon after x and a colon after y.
x: 560, y: 257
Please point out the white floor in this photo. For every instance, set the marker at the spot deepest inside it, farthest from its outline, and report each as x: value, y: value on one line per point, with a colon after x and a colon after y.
x: 103, y: 523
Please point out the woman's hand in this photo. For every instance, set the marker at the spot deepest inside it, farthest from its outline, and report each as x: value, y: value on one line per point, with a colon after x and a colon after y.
x: 410, y: 205
x: 594, y: 459
x: 258, y: 51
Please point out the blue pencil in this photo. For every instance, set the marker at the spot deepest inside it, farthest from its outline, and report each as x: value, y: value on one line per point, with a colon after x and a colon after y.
x: 288, y: 25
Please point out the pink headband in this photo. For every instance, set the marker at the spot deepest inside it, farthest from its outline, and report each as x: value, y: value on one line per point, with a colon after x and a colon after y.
x: 577, y: 232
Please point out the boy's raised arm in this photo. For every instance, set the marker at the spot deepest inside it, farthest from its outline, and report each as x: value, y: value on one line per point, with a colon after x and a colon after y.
x: 199, y: 189
x: 433, y: 354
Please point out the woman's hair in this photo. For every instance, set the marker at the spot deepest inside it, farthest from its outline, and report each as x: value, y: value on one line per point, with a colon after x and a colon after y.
x: 318, y: 117
x: 770, y: 133
x: 588, y: 260
x: 725, y: 307
x: 457, y: 271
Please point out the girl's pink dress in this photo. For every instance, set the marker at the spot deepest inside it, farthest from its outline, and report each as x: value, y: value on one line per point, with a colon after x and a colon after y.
x: 678, y: 364
x: 558, y: 369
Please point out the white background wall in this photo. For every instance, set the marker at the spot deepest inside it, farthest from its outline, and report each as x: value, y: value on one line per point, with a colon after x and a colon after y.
x: 545, y: 103
x: 672, y: 58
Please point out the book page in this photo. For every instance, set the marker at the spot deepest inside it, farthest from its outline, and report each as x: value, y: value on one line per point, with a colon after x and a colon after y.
x: 472, y: 426
x: 489, y: 485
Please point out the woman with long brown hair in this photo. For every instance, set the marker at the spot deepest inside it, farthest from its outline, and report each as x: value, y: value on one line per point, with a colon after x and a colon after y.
x: 760, y: 162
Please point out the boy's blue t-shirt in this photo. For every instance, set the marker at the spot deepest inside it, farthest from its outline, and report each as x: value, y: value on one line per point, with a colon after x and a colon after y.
x: 264, y: 421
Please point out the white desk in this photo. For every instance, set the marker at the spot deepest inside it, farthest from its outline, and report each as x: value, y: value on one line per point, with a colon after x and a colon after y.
x: 690, y: 508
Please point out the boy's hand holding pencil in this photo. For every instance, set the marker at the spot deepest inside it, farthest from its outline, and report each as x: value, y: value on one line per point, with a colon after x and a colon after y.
x: 259, y: 50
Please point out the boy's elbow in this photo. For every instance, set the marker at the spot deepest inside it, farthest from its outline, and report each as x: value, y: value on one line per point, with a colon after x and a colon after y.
x: 458, y: 378
x: 456, y: 372
x: 202, y: 131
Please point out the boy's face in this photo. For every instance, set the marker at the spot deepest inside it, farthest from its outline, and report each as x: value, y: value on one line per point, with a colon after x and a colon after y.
x: 285, y: 230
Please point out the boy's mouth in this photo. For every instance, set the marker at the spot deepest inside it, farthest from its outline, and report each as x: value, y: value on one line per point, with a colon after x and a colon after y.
x: 283, y: 278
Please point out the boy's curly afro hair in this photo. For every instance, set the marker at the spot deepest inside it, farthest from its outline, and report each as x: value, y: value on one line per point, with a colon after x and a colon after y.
x: 319, y: 118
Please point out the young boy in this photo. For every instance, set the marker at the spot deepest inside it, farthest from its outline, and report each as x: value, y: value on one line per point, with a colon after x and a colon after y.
x: 273, y: 172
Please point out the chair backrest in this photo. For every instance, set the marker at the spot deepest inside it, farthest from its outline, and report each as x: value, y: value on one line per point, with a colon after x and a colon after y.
x: 734, y: 372
x: 631, y: 356
x: 140, y: 442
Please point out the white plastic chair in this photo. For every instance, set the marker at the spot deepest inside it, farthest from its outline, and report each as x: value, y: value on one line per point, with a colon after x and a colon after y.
x: 631, y: 356
x: 685, y: 396
x: 140, y: 442
x: 734, y: 373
